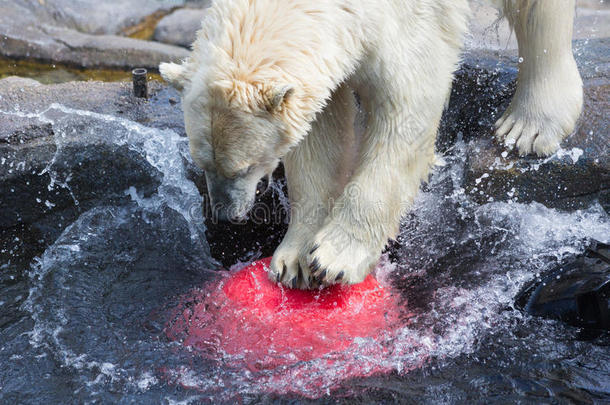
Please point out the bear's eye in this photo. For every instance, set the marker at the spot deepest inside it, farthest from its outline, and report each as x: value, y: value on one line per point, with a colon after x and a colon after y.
x: 239, y: 173
x: 246, y: 171
x: 208, y: 166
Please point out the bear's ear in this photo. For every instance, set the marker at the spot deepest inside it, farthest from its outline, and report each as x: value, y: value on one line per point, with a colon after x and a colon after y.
x: 174, y: 74
x: 277, y: 96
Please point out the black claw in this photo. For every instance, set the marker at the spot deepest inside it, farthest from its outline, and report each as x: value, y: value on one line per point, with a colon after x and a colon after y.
x: 315, y: 247
x: 322, y: 275
x: 339, y: 276
x: 301, y: 274
x: 294, y: 282
x: 315, y: 265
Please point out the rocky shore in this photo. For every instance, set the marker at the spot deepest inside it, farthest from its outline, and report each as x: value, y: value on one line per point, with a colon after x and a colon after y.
x: 88, y: 34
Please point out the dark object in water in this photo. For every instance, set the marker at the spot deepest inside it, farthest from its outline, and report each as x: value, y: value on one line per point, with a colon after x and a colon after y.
x: 140, y: 85
x: 577, y: 292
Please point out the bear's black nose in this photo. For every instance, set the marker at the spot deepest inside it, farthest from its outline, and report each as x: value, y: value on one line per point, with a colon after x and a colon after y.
x: 222, y: 213
x: 263, y: 185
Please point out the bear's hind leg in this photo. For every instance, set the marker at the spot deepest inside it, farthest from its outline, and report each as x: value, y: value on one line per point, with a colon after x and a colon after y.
x: 549, y: 98
x: 316, y: 171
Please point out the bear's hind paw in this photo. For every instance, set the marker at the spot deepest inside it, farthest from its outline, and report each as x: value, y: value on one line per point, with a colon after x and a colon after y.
x: 543, y: 111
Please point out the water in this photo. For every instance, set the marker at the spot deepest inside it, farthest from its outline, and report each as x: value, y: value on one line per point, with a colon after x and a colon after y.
x: 91, y: 327
x: 46, y: 73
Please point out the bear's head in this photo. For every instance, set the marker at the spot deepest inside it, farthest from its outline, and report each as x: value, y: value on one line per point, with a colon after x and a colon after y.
x: 238, y: 131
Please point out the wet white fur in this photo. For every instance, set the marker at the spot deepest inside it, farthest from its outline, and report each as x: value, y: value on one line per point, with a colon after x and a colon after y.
x: 348, y: 193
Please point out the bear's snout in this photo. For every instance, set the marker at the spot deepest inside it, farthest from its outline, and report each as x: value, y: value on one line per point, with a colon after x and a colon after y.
x: 230, y: 214
x: 227, y: 208
x: 230, y: 199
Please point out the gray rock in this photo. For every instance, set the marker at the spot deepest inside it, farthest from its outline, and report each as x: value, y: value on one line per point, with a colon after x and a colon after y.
x: 50, y: 172
x: 573, y: 178
x: 180, y: 27
x: 93, y: 17
x: 111, y: 51
x: 17, y: 82
x: 25, y: 35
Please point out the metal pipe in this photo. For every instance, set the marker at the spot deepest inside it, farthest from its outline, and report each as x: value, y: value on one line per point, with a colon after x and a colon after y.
x: 140, y: 85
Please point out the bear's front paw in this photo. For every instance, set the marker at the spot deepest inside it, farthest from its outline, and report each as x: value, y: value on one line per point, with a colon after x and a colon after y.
x: 288, y: 266
x: 337, y: 257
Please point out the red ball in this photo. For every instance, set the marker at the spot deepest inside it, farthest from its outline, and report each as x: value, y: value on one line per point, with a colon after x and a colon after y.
x: 248, y: 318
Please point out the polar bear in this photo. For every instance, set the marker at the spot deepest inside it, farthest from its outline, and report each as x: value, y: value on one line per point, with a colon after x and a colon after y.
x: 275, y: 80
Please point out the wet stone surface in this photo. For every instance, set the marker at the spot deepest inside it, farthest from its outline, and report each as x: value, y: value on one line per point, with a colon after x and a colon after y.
x: 62, y: 169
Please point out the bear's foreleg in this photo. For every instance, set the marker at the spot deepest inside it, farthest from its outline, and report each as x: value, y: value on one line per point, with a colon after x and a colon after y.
x: 317, y: 171
x: 395, y: 156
